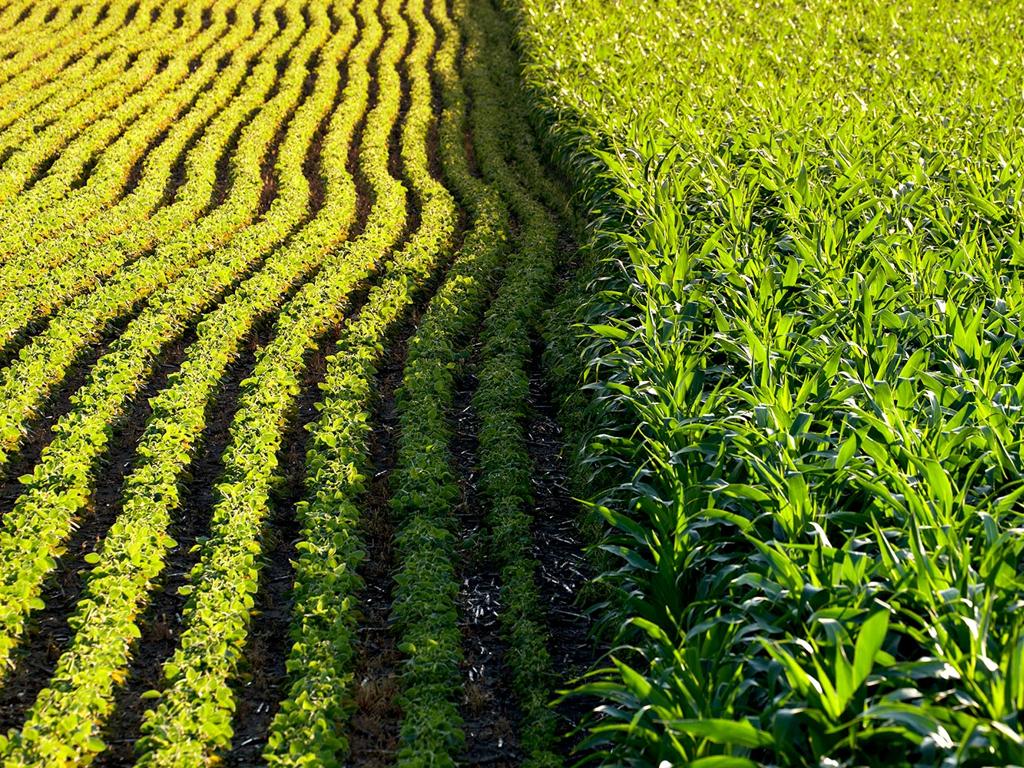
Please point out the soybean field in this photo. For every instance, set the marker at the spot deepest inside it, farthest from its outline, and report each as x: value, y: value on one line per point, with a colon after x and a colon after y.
x: 274, y: 419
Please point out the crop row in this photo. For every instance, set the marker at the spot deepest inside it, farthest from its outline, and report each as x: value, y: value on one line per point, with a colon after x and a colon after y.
x: 193, y: 714
x: 67, y: 716
x: 18, y: 101
x: 46, y: 103
x: 29, y: 148
x: 131, y: 119
x: 804, y: 345
x: 274, y: 90
x: 26, y: 16
x: 54, y: 272
x: 58, y: 488
x: 32, y: 16
x: 27, y: 91
x: 32, y: 268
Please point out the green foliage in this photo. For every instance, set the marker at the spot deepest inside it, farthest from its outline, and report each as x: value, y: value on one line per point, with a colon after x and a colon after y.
x: 308, y: 729
x: 121, y: 120
x: 35, y: 51
x: 39, y: 109
x: 805, y: 366
x: 58, y: 488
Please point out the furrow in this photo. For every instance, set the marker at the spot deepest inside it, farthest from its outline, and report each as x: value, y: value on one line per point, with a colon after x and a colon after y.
x: 93, y: 252
x: 51, y: 627
x: 273, y: 287
x: 339, y: 191
x: 558, y: 547
x: 487, y: 706
x: 185, y: 252
x: 261, y: 676
x: 24, y: 16
x: 43, y: 515
x: 219, y: 338
x: 167, y: 446
x: 370, y: 657
x: 190, y: 507
x: 560, y: 569
x: 52, y: 16
x: 30, y: 150
x: 501, y: 400
x: 154, y: 179
x: 192, y: 718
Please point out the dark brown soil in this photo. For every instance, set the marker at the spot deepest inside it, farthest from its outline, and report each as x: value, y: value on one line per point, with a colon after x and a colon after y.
x: 163, y: 618
x: 264, y: 678
x: 365, y: 197
x: 376, y: 718
x: 177, y: 175
x: 489, y: 712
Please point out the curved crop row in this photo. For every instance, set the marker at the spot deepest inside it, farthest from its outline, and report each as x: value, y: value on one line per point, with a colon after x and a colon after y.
x: 45, y: 360
x: 41, y: 50
x: 523, y: 150
x: 31, y: 268
x: 48, y: 56
x: 45, y: 103
x: 64, y: 723
x: 423, y: 485
x: 307, y: 728
x: 19, y: 19
x: 77, y: 131
x: 192, y: 718
x: 58, y: 487
x: 93, y: 242
x: 74, y: 99
x: 501, y: 402
x: 53, y: 201
x: 57, y: 270
x: 15, y: 24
